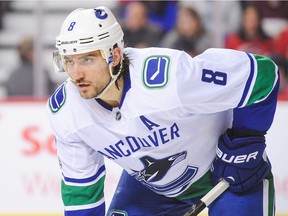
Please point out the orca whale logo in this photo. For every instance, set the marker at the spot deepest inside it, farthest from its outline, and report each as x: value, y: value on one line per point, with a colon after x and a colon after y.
x: 154, y: 170
x: 100, y: 13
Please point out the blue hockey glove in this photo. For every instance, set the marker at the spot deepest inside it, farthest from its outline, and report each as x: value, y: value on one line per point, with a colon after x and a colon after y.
x: 240, y: 162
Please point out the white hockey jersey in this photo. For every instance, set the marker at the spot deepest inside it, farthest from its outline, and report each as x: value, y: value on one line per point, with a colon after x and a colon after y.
x: 165, y: 131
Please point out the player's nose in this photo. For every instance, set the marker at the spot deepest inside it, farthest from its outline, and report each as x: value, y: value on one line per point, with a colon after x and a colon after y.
x: 77, y: 71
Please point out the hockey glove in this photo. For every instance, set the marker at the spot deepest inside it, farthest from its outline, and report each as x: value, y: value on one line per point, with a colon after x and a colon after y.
x: 240, y: 162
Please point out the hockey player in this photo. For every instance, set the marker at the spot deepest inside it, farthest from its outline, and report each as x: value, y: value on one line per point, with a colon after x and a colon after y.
x: 176, y: 124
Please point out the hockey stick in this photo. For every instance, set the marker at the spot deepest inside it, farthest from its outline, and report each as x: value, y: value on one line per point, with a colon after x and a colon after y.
x: 208, y: 198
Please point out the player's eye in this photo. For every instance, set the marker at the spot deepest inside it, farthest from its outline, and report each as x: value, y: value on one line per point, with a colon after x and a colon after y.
x: 87, y: 60
x: 68, y: 61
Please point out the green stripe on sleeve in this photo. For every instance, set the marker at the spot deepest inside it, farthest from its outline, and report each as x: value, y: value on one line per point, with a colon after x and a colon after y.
x: 82, y: 195
x: 265, y: 79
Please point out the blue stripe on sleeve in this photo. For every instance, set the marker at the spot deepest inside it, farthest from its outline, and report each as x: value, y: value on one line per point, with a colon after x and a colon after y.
x: 99, y: 211
x: 248, y: 83
x: 86, y: 180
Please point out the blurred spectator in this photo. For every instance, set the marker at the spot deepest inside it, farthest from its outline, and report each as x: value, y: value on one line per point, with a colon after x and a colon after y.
x: 275, y: 15
x: 219, y: 17
x: 189, y: 34
x: 271, y: 8
x: 250, y: 37
x: 281, y: 49
x: 162, y: 13
x: 283, y: 71
x: 138, y: 31
x: 20, y: 82
x: 281, y: 43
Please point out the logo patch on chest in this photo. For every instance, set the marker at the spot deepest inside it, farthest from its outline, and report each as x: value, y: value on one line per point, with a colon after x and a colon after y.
x: 155, y: 71
x: 154, y: 169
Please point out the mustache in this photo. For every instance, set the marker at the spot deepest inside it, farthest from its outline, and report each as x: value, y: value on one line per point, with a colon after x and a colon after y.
x: 80, y: 81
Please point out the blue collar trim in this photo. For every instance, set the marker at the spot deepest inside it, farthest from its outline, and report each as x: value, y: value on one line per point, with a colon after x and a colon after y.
x: 127, y: 86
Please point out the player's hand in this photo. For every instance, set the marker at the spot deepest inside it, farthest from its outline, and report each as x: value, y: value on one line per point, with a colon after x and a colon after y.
x: 240, y: 162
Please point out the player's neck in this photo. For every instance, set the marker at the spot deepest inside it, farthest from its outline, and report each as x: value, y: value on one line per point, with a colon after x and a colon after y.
x: 113, y: 95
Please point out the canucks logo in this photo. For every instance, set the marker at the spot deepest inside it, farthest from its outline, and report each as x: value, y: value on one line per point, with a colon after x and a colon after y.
x: 155, y: 169
x: 155, y: 72
x: 100, y: 13
x: 57, y: 100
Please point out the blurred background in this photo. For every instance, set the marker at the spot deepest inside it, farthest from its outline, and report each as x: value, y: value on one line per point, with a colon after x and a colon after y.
x: 28, y: 30
x: 30, y: 174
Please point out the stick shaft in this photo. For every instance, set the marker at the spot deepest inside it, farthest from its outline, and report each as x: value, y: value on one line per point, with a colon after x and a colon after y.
x: 208, y: 198
x: 215, y: 192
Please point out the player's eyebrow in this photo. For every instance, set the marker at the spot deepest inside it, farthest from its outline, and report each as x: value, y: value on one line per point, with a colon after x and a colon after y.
x: 88, y: 55
x: 82, y: 57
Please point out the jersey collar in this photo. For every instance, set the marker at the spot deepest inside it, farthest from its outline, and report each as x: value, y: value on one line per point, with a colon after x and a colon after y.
x: 127, y: 86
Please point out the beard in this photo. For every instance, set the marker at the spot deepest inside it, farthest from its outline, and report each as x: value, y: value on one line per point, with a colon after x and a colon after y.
x: 88, y: 93
x: 88, y: 89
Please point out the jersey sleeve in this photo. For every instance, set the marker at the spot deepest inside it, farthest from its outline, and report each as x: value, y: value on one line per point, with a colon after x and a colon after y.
x: 82, y: 167
x: 257, y: 106
x: 82, y: 185
x: 222, y: 79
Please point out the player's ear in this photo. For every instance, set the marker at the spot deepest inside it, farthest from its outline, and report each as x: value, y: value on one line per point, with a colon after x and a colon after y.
x: 116, y: 56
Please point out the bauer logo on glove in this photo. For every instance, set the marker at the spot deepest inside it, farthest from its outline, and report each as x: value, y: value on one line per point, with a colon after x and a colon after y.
x: 236, y: 159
